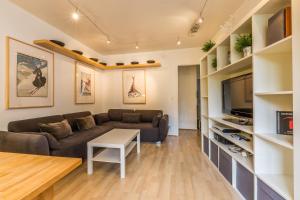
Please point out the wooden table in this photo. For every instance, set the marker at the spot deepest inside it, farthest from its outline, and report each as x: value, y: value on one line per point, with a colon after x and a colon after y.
x: 25, y: 176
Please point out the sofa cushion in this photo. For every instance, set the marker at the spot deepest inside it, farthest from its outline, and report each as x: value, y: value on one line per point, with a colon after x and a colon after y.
x: 147, y: 115
x: 59, y: 130
x: 82, y: 137
x: 32, y: 125
x: 73, y: 116
x: 116, y: 114
x: 85, y: 123
x: 101, y: 118
x: 131, y: 117
x: 156, y: 120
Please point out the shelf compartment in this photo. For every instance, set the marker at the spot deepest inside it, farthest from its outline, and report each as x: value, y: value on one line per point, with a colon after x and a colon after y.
x: 112, y: 155
x: 280, y: 183
x: 247, y: 163
x: 248, y: 146
x: 282, y: 140
x: 239, y: 65
x: 274, y: 93
x: 282, y: 46
x: 246, y: 129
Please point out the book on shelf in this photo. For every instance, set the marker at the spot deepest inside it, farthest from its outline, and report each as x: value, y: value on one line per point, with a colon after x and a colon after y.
x: 285, y: 122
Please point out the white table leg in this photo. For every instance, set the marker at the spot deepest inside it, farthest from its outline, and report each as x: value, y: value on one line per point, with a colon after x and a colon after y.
x: 90, y: 160
x: 138, y: 143
x: 123, y: 162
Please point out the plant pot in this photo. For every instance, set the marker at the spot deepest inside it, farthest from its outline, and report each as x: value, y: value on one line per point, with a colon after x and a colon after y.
x: 247, y: 51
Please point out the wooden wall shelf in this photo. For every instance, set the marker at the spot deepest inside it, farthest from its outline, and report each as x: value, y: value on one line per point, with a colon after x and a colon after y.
x: 69, y: 53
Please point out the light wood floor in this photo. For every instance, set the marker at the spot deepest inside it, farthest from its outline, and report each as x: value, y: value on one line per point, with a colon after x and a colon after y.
x: 176, y: 170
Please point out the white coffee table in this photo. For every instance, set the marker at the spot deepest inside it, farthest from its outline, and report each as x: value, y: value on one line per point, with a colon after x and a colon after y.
x: 118, y: 143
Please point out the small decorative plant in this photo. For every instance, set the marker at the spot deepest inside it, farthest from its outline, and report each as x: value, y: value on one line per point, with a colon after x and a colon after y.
x: 208, y: 45
x: 214, y: 63
x: 244, y: 44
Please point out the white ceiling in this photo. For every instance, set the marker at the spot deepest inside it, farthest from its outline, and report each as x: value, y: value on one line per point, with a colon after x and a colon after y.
x: 154, y: 24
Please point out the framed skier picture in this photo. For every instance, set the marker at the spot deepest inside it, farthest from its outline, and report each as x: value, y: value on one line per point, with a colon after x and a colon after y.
x: 30, y: 76
x: 134, y: 87
x: 85, y: 84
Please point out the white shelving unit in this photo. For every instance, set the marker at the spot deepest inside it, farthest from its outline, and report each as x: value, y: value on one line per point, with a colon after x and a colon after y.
x: 273, y: 90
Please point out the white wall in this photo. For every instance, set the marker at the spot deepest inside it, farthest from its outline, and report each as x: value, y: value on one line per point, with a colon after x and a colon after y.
x: 162, y: 82
x: 21, y: 25
x: 187, y: 97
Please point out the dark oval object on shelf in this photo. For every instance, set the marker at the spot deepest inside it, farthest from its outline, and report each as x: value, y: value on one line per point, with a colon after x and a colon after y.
x: 103, y: 63
x: 78, y: 52
x: 94, y: 59
x: 134, y: 62
x: 150, y: 61
x: 119, y: 64
x: 58, y: 42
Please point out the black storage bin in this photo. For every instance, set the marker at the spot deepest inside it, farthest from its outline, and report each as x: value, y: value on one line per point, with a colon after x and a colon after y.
x: 214, y: 154
x: 206, y: 146
x: 245, y: 182
x: 264, y: 192
x: 225, y: 165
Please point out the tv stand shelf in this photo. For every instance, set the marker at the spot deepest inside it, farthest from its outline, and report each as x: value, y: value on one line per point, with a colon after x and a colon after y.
x: 246, y: 129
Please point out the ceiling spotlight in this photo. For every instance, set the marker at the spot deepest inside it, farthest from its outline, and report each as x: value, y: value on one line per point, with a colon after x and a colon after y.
x: 75, y: 15
x: 178, y: 42
x: 137, y: 46
x: 200, y: 20
x: 108, y: 41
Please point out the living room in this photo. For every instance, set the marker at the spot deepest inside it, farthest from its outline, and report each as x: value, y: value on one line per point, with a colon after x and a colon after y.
x: 108, y: 73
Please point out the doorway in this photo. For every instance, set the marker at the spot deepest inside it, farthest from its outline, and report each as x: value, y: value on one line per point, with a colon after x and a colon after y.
x: 188, y: 98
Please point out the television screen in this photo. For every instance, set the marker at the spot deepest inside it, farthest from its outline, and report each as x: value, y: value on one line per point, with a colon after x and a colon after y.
x: 238, y: 96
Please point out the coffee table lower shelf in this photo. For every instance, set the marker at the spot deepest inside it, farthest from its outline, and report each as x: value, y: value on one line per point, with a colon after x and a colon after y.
x: 113, y: 155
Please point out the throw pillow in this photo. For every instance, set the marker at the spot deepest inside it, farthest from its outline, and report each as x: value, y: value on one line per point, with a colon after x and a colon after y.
x: 85, y: 123
x: 156, y: 120
x: 101, y: 118
x: 131, y: 117
x: 59, y: 130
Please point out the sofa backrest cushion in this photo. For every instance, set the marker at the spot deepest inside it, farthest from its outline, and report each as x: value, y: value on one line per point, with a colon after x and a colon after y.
x: 71, y: 117
x: 148, y: 115
x: 117, y: 114
x: 131, y: 118
x: 32, y: 125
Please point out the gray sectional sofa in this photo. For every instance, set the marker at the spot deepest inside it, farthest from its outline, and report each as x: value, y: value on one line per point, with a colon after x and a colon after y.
x: 24, y: 136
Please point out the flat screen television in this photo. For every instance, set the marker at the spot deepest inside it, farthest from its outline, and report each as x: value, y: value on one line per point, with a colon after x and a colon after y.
x: 237, y: 95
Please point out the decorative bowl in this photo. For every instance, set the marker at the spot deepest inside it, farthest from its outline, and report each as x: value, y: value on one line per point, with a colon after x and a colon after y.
x: 150, y: 61
x: 103, y: 63
x: 94, y: 59
x: 58, y: 42
x: 78, y: 52
x: 134, y: 62
x: 119, y: 64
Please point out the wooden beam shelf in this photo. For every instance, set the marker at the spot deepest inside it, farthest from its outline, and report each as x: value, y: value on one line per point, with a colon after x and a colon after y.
x: 69, y: 53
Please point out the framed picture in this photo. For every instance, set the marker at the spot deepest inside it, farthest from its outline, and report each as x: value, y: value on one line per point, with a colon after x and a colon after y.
x: 84, y: 84
x: 30, y: 76
x: 134, y: 87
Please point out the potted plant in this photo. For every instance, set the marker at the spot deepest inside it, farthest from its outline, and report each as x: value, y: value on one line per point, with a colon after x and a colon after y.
x: 208, y: 45
x: 214, y: 63
x: 244, y: 44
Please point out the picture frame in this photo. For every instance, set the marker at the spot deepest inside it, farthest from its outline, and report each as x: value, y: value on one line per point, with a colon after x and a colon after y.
x: 134, y: 86
x: 84, y: 84
x: 29, y: 75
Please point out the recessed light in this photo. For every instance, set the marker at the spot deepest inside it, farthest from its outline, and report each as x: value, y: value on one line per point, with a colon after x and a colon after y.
x: 200, y: 20
x: 178, y: 42
x: 108, y: 41
x: 137, y: 46
x: 75, y: 15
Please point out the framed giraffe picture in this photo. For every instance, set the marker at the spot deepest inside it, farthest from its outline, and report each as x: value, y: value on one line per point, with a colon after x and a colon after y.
x: 134, y: 87
x: 30, y: 76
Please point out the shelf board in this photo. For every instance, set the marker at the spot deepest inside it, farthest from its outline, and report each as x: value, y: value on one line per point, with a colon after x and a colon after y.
x: 66, y: 52
x: 247, y: 163
x: 282, y: 46
x: 246, y: 129
x: 234, y: 67
x: 248, y: 146
x: 204, y: 97
x: 274, y: 93
x: 69, y: 53
x: 203, y: 77
x: 282, y: 140
x: 205, y: 116
x: 281, y: 183
x: 205, y: 134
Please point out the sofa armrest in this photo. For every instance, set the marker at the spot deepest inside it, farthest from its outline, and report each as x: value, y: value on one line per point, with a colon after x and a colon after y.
x: 24, y: 143
x: 164, y: 127
x: 101, y: 118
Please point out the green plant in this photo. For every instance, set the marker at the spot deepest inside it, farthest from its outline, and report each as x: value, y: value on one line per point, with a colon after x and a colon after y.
x: 243, y: 40
x: 214, y: 63
x: 208, y: 45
